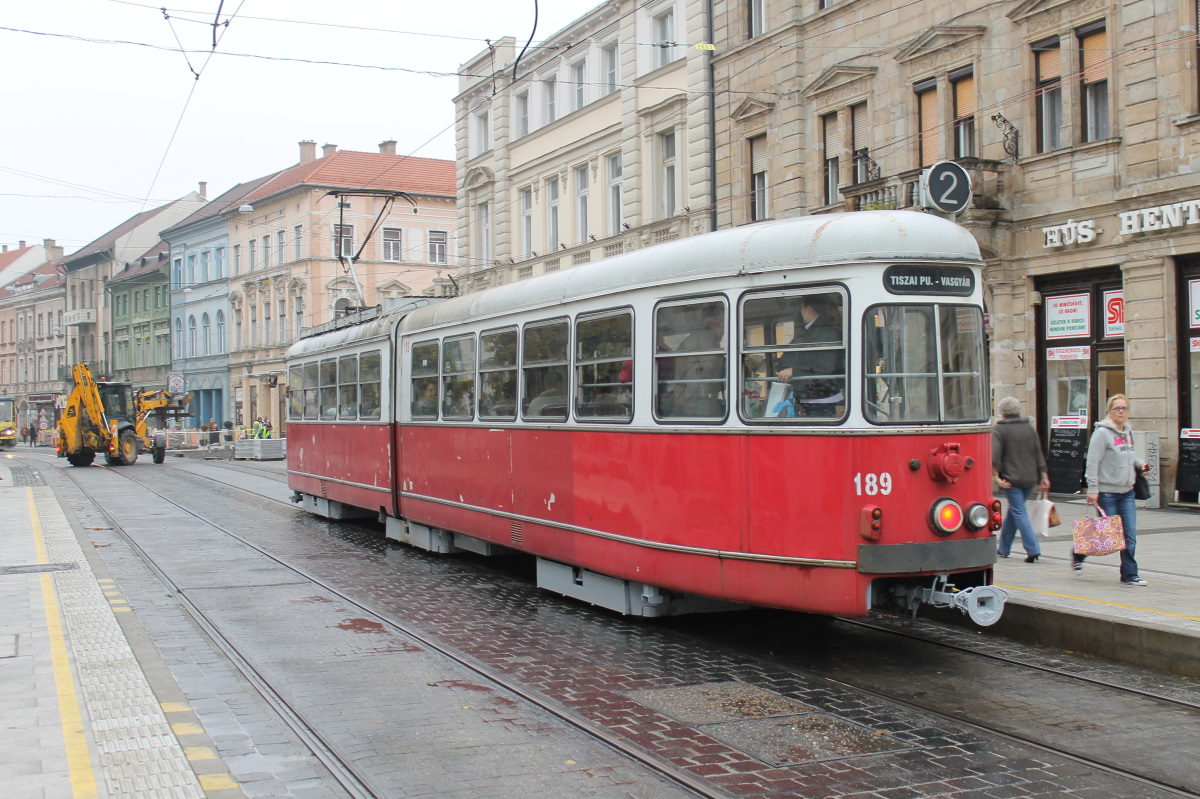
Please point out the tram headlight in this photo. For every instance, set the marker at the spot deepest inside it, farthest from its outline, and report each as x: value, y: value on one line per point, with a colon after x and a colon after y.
x: 978, y: 517
x: 946, y: 516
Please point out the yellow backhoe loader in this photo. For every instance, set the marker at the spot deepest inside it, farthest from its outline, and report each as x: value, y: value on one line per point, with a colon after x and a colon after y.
x: 110, y: 417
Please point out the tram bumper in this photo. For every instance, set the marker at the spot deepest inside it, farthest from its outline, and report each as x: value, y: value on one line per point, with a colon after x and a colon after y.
x: 933, y: 556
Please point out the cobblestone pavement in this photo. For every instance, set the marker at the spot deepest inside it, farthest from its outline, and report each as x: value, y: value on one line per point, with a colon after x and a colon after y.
x: 753, y: 727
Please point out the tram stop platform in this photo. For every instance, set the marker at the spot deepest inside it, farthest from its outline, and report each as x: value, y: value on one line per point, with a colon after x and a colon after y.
x: 1090, y: 612
x: 79, y: 715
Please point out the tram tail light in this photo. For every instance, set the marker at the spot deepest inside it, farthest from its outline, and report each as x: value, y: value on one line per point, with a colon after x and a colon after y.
x: 870, y: 523
x: 946, y: 516
x: 997, y: 518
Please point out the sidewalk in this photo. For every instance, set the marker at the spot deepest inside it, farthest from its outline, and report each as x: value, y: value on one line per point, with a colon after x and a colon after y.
x: 1156, y: 626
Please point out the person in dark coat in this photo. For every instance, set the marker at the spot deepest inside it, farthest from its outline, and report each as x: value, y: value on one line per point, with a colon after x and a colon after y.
x: 818, y: 374
x: 1018, y: 467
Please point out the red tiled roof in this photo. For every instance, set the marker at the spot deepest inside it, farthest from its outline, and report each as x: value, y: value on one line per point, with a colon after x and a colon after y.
x: 234, y: 196
x: 348, y: 169
x: 7, y: 258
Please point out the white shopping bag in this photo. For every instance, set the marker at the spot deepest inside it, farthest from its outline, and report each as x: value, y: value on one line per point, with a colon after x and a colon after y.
x: 1039, y: 515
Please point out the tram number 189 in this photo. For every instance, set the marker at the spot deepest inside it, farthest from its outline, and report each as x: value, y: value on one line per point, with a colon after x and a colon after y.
x: 872, y: 484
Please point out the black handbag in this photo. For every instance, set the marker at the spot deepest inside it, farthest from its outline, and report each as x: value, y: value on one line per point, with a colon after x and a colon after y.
x: 1141, y: 486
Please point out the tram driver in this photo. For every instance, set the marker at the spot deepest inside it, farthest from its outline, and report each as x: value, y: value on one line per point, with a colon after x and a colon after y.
x: 817, y: 376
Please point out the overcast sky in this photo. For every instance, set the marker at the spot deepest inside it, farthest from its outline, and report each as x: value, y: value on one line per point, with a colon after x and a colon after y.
x: 104, y: 116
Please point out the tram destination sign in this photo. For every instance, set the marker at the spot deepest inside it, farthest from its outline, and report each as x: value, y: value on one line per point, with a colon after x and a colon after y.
x: 954, y: 281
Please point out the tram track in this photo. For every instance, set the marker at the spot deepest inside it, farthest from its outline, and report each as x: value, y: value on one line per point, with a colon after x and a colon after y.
x: 326, y: 752
x: 666, y: 770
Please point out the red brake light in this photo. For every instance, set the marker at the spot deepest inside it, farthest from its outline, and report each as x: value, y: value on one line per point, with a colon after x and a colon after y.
x: 945, y: 516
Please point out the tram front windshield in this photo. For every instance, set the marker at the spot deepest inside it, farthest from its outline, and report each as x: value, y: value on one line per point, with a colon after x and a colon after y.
x: 6, y: 410
x: 924, y: 364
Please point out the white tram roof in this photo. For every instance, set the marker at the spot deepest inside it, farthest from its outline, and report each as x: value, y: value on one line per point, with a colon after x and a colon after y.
x: 806, y: 241
x: 345, y: 332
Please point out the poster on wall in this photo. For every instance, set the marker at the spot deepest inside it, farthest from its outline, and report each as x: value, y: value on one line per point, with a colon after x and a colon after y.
x: 1068, y: 353
x: 1194, y: 294
x: 1114, y: 313
x: 1068, y: 316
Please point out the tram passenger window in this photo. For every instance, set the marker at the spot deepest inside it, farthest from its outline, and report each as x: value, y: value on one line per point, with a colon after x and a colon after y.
x: 425, y: 378
x: 690, y: 360
x: 458, y: 377
x: 329, y: 396
x: 369, y: 383
x: 924, y: 363
x: 348, y: 387
x: 603, y: 345
x: 311, y: 391
x: 498, y: 375
x: 794, y: 356
x: 544, y: 355
x: 295, y: 388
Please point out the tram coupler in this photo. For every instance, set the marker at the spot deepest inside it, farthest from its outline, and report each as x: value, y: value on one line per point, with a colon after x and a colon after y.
x: 983, y: 603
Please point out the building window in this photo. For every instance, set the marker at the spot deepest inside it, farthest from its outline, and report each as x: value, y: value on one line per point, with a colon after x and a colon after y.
x: 483, y: 133
x: 283, y: 325
x: 281, y: 246
x: 927, y: 121
x: 1047, y: 57
x: 754, y: 17
x: 526, y: 222
x: 343, y: 241
x: 191, y: 344
x: 1093, y: 44
x: 219, y: 264
x: 664, y: 38
x: 582, y: 189
x: 667, y: 173
x: 963, y: 82
x: 392, y: 250
x: 298, y: 312
x: 266, y: 250
x: 552, y: 198
x: 831, y: 140
x: 613, y: 166
x: 550, y: 89
x: 523, y: 114
x: 579, y: 90
x: 861, y: 134
x: 205, y: 335
x: 237, y: 259
x: 483, y: 233
x: 203, y: 266
x: 221, y: 333
x: 608, y: 60
x: 758, y: 178
x: 437, y: 249
x: 191, y: 270
x: 267, y: 340
x: 298, y: 242
x: 252, y: 255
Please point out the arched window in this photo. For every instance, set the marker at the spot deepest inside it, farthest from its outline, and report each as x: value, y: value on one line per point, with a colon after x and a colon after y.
x: 191, y: 337
x: 178, y: 337
x: 206, y: 335
x: 221, y: 333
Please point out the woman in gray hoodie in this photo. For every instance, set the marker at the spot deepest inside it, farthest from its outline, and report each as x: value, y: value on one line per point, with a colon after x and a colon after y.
x: 1110, y: 471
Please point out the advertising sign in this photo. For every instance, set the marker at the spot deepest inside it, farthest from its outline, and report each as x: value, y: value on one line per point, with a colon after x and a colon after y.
x: 1068, y: 353
x: 1114, y: 313
x: 1068, y: 316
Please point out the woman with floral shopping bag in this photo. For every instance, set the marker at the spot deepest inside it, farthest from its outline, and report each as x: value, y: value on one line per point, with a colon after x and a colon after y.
x: 1111, y: 466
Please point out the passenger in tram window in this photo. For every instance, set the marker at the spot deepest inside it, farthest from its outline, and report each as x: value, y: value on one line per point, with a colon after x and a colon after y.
x: 817, y: 376
x: 426, y: 403
x: 552, y: 400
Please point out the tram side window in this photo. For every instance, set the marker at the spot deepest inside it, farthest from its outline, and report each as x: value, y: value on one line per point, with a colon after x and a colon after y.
x: 794, y: 356
x: 603, y: 346
x: 544, y: 356
x: 369, y: 385
x: 924, y: 363
x: 348, y: 387
x: 690, y: 360
x: 329, y: 396
x: 311, y: 391
x: 425, y: 371
x: 498, y: 375
x: 458, y: 377
x: 295, y: 392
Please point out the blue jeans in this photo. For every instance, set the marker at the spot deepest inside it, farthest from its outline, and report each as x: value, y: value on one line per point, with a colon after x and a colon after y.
x: 1123, y: 505
x: 1017, y: 519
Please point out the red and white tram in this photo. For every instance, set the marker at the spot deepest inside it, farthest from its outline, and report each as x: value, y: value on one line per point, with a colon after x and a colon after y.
x: 792, y: 414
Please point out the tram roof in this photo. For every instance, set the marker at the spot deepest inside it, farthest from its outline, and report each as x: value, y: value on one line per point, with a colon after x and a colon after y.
x: 807, y: 241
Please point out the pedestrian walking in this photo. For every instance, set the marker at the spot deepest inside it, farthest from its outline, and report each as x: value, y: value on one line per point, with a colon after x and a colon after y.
x: 1018, y: 467
x: 1112, y: 465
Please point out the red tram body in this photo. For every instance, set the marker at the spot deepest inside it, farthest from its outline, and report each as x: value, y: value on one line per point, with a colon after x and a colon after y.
x: 665, y: 425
